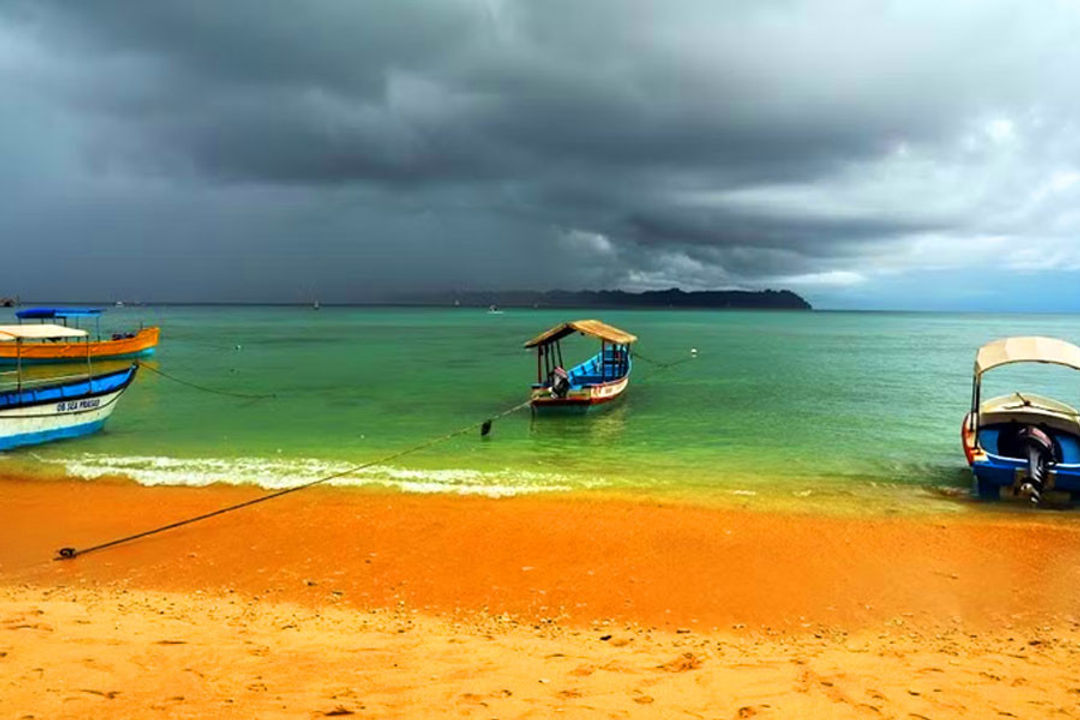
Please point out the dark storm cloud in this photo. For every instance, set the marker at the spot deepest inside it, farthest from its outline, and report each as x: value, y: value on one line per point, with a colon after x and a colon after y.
x: 499, y: 143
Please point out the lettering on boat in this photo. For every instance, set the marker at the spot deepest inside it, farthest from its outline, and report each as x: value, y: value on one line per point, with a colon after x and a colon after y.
x: 78, y: 404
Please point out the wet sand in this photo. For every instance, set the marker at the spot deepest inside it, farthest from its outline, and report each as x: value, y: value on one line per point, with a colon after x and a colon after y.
x: 414, y: 606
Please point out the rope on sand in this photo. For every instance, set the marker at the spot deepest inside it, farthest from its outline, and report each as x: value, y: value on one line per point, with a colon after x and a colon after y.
x: 68, y: 553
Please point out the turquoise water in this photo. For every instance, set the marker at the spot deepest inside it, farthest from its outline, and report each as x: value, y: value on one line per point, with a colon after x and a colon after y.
x: 778, y: 408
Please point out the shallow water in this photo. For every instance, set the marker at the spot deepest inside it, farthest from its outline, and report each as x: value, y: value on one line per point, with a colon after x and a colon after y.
x: 821, y: 409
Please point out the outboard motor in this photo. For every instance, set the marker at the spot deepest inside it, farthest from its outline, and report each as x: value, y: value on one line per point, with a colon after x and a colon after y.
x: 1039, y: 448
x: 560, y: 383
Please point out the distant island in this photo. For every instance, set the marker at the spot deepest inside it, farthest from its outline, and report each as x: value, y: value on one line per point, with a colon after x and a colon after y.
x: 673, y: 298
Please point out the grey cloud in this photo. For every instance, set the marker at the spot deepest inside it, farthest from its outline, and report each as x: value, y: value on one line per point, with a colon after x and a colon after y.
x: 475, y: 134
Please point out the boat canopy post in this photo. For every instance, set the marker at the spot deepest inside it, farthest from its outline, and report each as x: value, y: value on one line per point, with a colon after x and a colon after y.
x: 977, y: 401
x: 18, y: 365
x: 89, y: 367
x: 974, y: 405
x: 549, y: 357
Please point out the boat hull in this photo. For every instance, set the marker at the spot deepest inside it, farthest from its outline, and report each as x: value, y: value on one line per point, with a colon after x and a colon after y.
x: 60, y: 411
x: 140, y: 345
x: 581, y: 400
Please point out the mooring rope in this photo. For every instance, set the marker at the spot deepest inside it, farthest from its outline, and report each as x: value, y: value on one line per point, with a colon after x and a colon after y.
x: 661, y: 366
x: 68, y: 553
x: 227, y: 393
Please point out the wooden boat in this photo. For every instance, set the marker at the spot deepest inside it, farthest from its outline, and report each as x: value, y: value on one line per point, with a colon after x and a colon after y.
x: 1022, y: 442
x: 118, y: 346
x: 38, y: 411
x: 594, y: 382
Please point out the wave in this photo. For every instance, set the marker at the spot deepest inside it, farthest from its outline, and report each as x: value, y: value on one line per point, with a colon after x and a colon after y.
x: 277, y: 474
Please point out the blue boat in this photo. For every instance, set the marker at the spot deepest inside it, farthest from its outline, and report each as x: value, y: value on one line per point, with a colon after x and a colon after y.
x: 1026, y: 444
x: 54, y: 408
x: 592, y: 383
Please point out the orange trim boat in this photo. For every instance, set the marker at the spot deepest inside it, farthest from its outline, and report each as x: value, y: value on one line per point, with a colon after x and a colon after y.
x: 129, y: 345
x: 55, y: 349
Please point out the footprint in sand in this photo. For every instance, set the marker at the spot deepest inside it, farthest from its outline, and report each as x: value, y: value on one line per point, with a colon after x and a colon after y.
x: 472, y: 698
x: 749, y: 711
x: 686, y: 661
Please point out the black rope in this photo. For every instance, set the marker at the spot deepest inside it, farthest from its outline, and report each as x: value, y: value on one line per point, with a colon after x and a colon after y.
x: 661, y: 366
x: 227, y: 393
x: 68, y: 553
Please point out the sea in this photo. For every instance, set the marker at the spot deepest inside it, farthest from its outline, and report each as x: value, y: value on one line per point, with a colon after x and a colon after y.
x: 845, y: 412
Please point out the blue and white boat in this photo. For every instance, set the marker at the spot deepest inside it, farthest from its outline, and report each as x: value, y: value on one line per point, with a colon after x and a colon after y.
x: 1023, y: 443
x: 52, y: 408
x: 593, y: 383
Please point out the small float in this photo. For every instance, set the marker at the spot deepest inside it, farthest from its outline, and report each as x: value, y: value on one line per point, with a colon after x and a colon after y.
x: 1025, y: 443
x: 596, y: 381
x: 52, y: 408
x: 136, y: 343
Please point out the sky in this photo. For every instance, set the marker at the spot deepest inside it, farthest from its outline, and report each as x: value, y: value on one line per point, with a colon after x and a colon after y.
x: 914, y: 154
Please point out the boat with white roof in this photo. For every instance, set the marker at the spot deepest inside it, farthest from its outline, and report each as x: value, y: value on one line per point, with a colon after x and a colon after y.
x: 39, y: 410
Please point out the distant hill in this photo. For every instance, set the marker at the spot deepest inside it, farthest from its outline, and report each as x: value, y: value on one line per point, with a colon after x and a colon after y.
x: 673, y: 298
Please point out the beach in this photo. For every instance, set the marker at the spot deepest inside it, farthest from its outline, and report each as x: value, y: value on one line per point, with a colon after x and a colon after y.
x: 383, y: 604
x: 497, y: 359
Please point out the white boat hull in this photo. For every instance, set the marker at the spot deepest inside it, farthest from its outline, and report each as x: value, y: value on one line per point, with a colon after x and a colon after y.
x: 37, y: 424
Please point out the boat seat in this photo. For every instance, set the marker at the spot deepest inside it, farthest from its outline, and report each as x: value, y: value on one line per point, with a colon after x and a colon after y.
x: 988, y: 440
x: 1070, y: 448
x: 1001, y: 440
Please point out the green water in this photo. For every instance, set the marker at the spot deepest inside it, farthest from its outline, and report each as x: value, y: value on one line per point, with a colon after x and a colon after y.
x: 797, y: 409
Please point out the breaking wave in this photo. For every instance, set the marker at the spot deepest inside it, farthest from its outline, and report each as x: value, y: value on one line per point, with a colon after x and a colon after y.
x: 275, y: 474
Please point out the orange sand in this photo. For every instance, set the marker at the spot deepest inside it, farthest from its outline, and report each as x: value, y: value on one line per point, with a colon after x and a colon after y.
x: 271, y: 608
x: 572, y: 558
x: 133, y: 654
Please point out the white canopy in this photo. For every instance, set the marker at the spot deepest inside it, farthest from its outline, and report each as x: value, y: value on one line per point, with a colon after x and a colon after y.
x: 38, y: 332
x: 1026, y: 349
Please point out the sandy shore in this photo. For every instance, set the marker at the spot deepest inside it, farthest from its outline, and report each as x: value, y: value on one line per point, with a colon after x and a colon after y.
x: 99, y: 653
x: 383, y: 605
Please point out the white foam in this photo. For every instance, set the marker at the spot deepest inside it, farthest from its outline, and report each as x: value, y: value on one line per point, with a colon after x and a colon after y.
x: 278, y: 473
